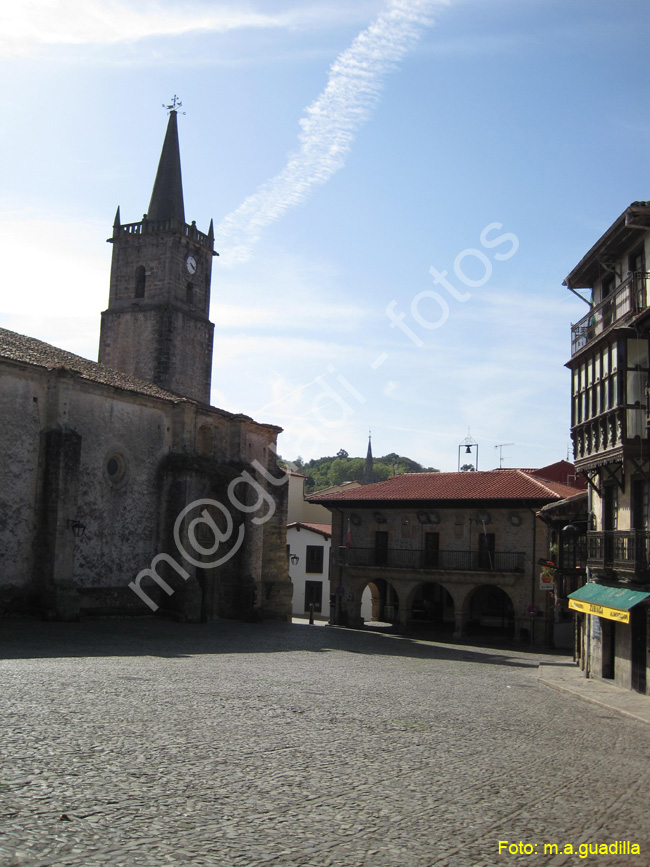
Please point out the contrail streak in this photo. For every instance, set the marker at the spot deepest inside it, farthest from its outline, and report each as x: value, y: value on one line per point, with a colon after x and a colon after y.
x: 329, y: 124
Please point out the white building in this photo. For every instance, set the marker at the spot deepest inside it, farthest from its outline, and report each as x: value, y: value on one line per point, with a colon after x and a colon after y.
x: 309, y: 534
x: 309, y: 556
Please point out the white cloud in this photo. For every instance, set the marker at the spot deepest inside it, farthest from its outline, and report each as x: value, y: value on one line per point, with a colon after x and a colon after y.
x: 66, y: 263
x: 29, y: 24
x: 329, y: 124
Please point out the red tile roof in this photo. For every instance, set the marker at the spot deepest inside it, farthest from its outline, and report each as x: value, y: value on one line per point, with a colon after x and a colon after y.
x: 492, y: 485
x: 323, y: 529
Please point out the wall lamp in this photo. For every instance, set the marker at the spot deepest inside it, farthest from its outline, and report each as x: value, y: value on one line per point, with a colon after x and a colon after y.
x: 295, y: 559
x: 78, y: 529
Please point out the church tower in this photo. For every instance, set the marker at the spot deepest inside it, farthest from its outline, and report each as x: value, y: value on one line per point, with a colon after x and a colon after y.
x: 156, y: 326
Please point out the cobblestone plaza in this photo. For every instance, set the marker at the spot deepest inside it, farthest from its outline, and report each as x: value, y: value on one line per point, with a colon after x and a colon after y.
x: 152, y: 743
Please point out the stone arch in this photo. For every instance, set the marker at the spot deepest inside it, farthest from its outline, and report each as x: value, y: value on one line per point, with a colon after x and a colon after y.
x: 488, y: 609
x: 384, y: 601
x: 431, y: 606
x: 222, y: 593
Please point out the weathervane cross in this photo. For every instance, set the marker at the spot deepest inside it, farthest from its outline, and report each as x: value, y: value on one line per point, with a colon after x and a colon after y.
x: 174, y: 106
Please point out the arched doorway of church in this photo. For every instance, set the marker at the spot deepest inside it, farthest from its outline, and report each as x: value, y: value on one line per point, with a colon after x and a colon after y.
x: 379, y: 602
x: 432, y: 608
x: 222, y: 592
x: 491, y: 612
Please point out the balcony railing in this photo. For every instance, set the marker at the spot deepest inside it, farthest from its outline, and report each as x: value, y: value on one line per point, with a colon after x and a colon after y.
x: 145, y: 226
x: 626, y: 300
x: 443, y: 561
x: 620, y: 550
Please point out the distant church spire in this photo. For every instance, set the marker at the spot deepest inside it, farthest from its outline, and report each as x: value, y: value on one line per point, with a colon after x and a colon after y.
x: 167, y: 196
x: 368, y: 474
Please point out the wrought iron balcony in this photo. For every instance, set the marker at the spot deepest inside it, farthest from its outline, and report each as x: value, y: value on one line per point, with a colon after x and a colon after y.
x: 619, y: 550
x: 441, y: 561
x: 628, y: 299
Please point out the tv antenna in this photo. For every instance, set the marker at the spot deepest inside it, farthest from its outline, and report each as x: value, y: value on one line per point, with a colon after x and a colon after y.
x: 501, y: 447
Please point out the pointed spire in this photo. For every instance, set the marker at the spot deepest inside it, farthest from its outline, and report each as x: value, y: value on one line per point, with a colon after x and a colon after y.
x: 167, y: 196
x: 368, y: 474
x: 116, y: 221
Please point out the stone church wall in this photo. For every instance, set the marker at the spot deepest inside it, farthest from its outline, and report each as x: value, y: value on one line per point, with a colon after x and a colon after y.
x: 124, y: 465
x: 123, y: 442
x: 23, y: 402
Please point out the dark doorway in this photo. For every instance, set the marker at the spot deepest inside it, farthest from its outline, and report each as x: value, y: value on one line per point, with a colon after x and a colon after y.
x: 608, y: 636
x: 381, y: 548
x: 486, y: 551
x: 491, y: 612
x: 433, y: 608
x: 639, y: 624
x: 314, y: 595
x: 431, y: 550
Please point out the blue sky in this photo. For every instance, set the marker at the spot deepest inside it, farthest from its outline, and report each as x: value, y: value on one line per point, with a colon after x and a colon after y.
x: 344, y: 151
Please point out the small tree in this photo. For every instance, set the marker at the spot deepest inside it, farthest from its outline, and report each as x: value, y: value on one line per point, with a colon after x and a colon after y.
x: 467, y: 468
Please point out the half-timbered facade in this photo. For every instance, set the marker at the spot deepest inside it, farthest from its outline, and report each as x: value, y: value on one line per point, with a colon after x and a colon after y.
x: 609, y: 370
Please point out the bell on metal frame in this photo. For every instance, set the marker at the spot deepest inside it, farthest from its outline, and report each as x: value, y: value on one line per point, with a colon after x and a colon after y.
x: 468, y: 450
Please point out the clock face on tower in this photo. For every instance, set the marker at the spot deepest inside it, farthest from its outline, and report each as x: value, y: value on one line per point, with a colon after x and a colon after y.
x: 190, y: 264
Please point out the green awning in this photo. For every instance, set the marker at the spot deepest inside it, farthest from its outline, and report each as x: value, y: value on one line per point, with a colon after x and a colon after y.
x: 613, y: 603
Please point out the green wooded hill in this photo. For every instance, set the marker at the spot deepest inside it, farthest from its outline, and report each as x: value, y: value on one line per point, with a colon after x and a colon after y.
x: 334, y: 470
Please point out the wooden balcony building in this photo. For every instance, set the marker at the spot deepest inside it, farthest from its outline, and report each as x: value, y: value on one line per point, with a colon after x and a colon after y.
x: 609, y: 421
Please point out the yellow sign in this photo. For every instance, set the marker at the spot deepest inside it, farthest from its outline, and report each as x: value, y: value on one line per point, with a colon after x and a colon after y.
x: 600, y: 610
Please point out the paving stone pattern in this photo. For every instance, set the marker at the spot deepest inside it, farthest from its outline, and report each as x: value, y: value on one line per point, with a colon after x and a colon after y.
x: 145, y: 743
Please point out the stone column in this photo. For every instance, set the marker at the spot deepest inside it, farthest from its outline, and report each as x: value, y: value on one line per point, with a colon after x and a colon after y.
x: 60, y: 459
x: 460, y: 623
x: 276, y: 596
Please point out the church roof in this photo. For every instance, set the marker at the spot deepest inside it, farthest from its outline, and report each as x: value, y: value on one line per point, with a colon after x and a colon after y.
x: 167, y: 196
x: 27, y: 350
x: 20, y: 349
